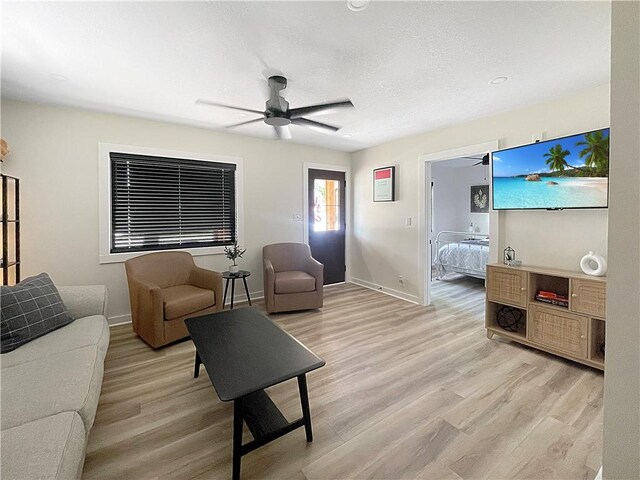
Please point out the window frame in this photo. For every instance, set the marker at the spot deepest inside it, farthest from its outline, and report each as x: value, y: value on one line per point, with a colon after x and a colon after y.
x: 105, y: 198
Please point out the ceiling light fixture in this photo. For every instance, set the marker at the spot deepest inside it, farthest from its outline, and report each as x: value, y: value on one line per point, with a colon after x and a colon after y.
x: 57, y: 77
x: 357, y: 5
x: 498, y: 80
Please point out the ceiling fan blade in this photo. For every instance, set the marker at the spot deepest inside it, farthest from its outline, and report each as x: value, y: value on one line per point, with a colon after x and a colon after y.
x: 216, y: 104
x: 483, y: 161
x: 283, y: 133
x: 321, y: 108
x: 321, y: 127
x: 245, y: 123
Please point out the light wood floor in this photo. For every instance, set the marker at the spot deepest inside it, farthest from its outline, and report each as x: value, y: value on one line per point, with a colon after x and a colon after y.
x: 407, y: 392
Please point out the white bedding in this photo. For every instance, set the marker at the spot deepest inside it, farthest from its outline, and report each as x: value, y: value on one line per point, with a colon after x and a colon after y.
x: 463, y: 258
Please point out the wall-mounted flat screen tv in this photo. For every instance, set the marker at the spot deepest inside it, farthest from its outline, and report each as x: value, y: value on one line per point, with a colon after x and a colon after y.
x: 568, y: 172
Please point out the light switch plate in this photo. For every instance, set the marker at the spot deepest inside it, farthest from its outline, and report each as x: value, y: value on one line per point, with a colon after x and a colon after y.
x: 297, y: 217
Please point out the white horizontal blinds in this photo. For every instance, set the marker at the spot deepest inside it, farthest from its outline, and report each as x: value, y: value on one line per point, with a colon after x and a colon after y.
x: 162, y: 203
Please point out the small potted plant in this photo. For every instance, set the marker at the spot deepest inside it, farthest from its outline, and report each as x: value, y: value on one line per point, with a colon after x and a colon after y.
x: 234, y: 252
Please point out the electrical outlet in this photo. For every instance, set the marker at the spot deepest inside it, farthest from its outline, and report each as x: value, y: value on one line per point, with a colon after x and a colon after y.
x: 401, y: 280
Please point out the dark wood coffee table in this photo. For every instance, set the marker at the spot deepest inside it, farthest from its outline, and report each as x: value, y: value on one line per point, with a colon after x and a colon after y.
x: 244, y: 352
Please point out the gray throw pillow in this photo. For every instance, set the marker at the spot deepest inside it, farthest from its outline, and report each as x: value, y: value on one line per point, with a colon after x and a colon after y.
x: 30, y: 309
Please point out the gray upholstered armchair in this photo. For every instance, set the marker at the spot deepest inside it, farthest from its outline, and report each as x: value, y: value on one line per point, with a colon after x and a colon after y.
x: 292, y: 277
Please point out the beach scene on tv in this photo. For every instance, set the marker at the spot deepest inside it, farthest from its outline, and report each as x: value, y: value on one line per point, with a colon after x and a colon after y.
x: 569, y: 172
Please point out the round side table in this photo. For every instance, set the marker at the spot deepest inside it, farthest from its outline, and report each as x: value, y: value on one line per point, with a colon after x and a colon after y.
x: 232, y: 277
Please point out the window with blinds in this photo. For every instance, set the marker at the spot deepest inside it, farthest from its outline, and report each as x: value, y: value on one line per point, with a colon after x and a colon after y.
x: 160, y: 203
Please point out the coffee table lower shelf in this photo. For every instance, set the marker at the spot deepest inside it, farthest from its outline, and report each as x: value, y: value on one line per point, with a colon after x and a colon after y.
x: 265, y: 422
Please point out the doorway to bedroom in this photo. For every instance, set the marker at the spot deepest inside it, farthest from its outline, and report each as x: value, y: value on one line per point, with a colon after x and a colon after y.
x: 458, y: 225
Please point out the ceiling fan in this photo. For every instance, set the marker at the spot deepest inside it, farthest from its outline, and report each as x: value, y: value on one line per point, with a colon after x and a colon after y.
x: 484, y: 161
x: 278, y: 114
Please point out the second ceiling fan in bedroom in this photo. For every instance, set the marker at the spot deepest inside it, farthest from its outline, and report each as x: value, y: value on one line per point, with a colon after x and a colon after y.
x: 483, y: 161
x: 278, y: 114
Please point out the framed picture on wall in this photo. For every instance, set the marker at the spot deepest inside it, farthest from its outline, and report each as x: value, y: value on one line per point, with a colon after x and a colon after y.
x: 480, y: 199
x: 384, y: 184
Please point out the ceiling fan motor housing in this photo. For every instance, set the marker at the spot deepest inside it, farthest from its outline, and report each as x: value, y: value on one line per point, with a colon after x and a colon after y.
x: 278, y: 82
x: 277, y: 108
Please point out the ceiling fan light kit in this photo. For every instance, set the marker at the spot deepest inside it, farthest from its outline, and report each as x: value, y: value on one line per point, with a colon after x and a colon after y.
x: 278, y: 114
x: 357, y: 5
x: 498, y: 80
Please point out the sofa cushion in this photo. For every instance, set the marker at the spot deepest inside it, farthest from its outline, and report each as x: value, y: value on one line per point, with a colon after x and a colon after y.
x: 66, y: 381
x: 85, y: 300
x: 83, y: 332
x: 185, y: 299
x: 48, y: 448
x: 30, y: 309
x: 294, y: 282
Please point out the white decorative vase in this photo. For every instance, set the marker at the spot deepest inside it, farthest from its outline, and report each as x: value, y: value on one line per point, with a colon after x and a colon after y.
x: 234, y: 269
x: 594, y: 264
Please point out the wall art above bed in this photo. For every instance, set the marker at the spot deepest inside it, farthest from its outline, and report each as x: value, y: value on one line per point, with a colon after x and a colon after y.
x: 480, y: 199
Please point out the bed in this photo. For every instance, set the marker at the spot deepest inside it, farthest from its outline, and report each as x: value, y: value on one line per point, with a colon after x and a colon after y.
x: 461, y: 252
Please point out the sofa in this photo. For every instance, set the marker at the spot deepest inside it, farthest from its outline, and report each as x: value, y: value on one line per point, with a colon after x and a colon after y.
x: 50, y: 389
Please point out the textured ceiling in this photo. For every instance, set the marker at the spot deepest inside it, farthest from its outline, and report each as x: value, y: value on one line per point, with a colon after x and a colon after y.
x: 408, y: 67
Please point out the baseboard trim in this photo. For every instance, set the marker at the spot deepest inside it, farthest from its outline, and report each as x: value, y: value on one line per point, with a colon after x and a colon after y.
x: 119, y: 320
x: 386, y: 290
x: 239, y: 299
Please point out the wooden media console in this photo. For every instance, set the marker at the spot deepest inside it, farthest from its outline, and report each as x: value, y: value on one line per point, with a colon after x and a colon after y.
x: 575, y: 331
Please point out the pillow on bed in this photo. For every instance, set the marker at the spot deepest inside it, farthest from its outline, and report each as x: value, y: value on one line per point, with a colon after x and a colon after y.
x: 476, y: 242
x: 30, y: 309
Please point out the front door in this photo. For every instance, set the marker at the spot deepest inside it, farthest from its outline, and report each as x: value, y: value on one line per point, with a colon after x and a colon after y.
x: 327, y: 223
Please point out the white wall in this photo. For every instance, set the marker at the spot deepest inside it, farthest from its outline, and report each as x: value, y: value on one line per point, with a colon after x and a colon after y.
x: 622, y: 376
x: 55, y: 153
x: 383, y: 247
x: 447, y: 202
x: 452, y: 197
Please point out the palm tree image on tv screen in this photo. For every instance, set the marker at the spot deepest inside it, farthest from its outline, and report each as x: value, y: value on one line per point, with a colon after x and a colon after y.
x: 569, y: 172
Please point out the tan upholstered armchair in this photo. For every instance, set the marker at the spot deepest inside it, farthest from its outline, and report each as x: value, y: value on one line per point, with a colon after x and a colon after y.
x: 166, y: 288
x: 292, y: 277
